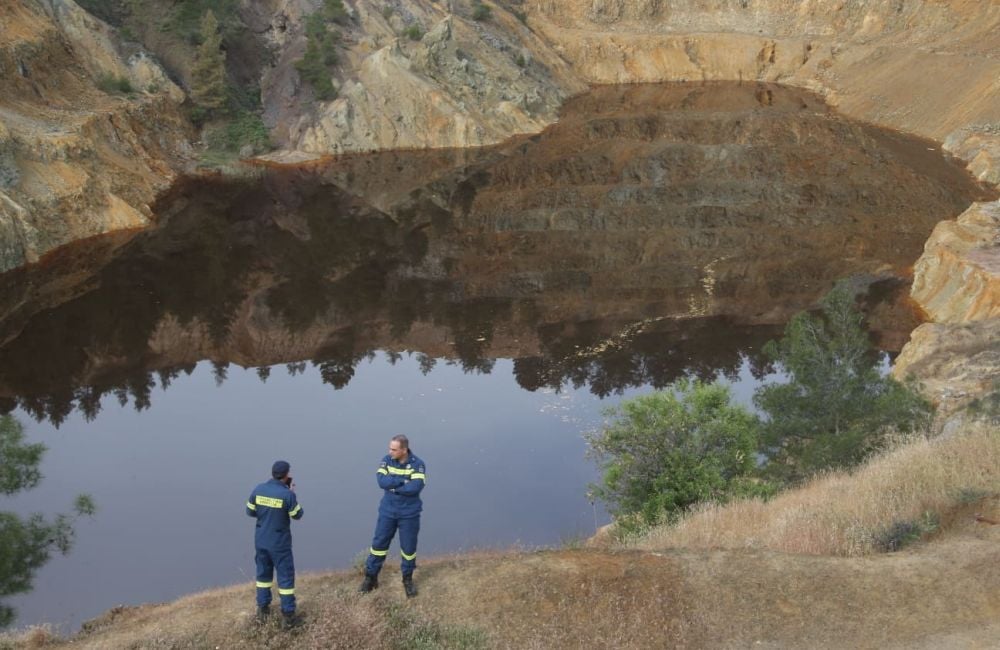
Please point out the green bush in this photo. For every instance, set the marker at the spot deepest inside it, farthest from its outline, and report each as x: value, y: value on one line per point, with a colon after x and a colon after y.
x: 837, y: 405
x: 664, y: 452
x: 481, y: 12
x: 320, y: 56
x: 520, y: 61
x: 334, y: 11
x: 414, y: 32
x: 114, y: 85
x: 903, y: 533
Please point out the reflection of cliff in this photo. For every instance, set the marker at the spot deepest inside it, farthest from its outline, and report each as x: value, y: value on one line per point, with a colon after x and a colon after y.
x: 652, y: 232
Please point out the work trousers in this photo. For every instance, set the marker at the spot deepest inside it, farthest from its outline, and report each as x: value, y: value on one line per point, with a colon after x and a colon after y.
x: 267, y: 561
x: 385, y: 529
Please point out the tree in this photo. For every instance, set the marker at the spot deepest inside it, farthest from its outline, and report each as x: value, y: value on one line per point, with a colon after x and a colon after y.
x: 837, y: 404
x: 320, y: 56
x: 208, y: 76
x: 664, y: 452
x: 26, y: 544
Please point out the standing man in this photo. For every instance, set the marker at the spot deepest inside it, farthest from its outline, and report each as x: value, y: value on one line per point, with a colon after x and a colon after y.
x: 401, y: 475
x: 273, y: 503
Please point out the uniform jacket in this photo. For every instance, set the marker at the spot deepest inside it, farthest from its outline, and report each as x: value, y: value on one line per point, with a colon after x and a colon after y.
x: 272, y: 503
x: 402, y: 483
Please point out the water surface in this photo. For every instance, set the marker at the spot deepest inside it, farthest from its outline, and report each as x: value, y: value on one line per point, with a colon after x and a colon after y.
x: 488, y: 303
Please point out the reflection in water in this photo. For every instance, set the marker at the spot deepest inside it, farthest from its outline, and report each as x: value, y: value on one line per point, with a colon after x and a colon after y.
x: 26, y: 543
x: 655, y: 231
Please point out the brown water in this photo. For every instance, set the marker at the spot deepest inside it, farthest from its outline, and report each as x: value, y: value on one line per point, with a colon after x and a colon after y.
x: 488, y: 302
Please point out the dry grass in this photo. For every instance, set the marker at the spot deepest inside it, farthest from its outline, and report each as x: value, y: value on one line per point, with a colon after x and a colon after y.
x: 943, y: 596
x: 937, y: 595
x: 36, y: 636
x: 849, y: 514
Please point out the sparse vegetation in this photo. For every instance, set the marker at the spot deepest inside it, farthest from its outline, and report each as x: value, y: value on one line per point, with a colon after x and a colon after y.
x: 481, y: 12
x: 186, y: 19
x: 414, y: 32
x: 316, y: 64
x: 114, y: 85
x: 208, y: 77
x: 903, y: 533
x: 334, y: 11
x: 987, y: 407
x: 519, y: 60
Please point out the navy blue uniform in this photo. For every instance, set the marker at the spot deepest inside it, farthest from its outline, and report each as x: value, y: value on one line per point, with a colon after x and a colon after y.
x: 273, y: 504
x: 400, y: 509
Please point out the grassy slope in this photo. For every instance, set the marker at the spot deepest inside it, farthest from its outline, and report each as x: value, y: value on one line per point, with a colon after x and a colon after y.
x: 941, y: 593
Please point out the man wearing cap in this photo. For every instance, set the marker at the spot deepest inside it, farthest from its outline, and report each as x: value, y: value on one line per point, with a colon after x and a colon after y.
x: 402, y: 476
x: 273, y: 503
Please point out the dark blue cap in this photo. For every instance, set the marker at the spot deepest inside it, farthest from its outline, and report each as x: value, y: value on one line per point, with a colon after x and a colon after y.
x: 280, y: 468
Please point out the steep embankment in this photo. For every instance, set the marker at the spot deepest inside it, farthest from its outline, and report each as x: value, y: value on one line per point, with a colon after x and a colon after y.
x: 76, y: 161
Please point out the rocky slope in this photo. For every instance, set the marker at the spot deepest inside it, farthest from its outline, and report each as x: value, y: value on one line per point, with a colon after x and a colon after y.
x: 76, y: 161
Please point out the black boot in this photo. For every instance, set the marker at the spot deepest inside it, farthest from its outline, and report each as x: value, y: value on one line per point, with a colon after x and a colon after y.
x: 263, y: 612
x: 409, y: 587
x: 370, y: 583
x: 289, y: 620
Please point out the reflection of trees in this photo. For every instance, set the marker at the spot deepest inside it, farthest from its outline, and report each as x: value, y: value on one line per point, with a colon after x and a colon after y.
x: 307, y: 260
x: 586, y: 355
x: 26, y: 543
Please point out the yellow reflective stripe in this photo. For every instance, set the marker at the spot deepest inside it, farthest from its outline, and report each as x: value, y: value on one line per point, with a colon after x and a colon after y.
x: 408, y: 557
x: 251, y: 506
x: 382, y: 470
x: 379, y: 553
x: 286, y: 592
x: 293, y: 511
x: 269, y: 502
x: 264, y: 585
x: 418, y: 475
x: 396, y: 470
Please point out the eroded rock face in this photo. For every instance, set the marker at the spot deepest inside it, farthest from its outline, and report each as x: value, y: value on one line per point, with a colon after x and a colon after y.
x: 954, y: 362
x: 75, y: 161
x: 957, y: 279
x: 462, y: 84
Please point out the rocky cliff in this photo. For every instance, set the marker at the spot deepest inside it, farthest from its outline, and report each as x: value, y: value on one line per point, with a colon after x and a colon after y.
x: 75, y: 160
